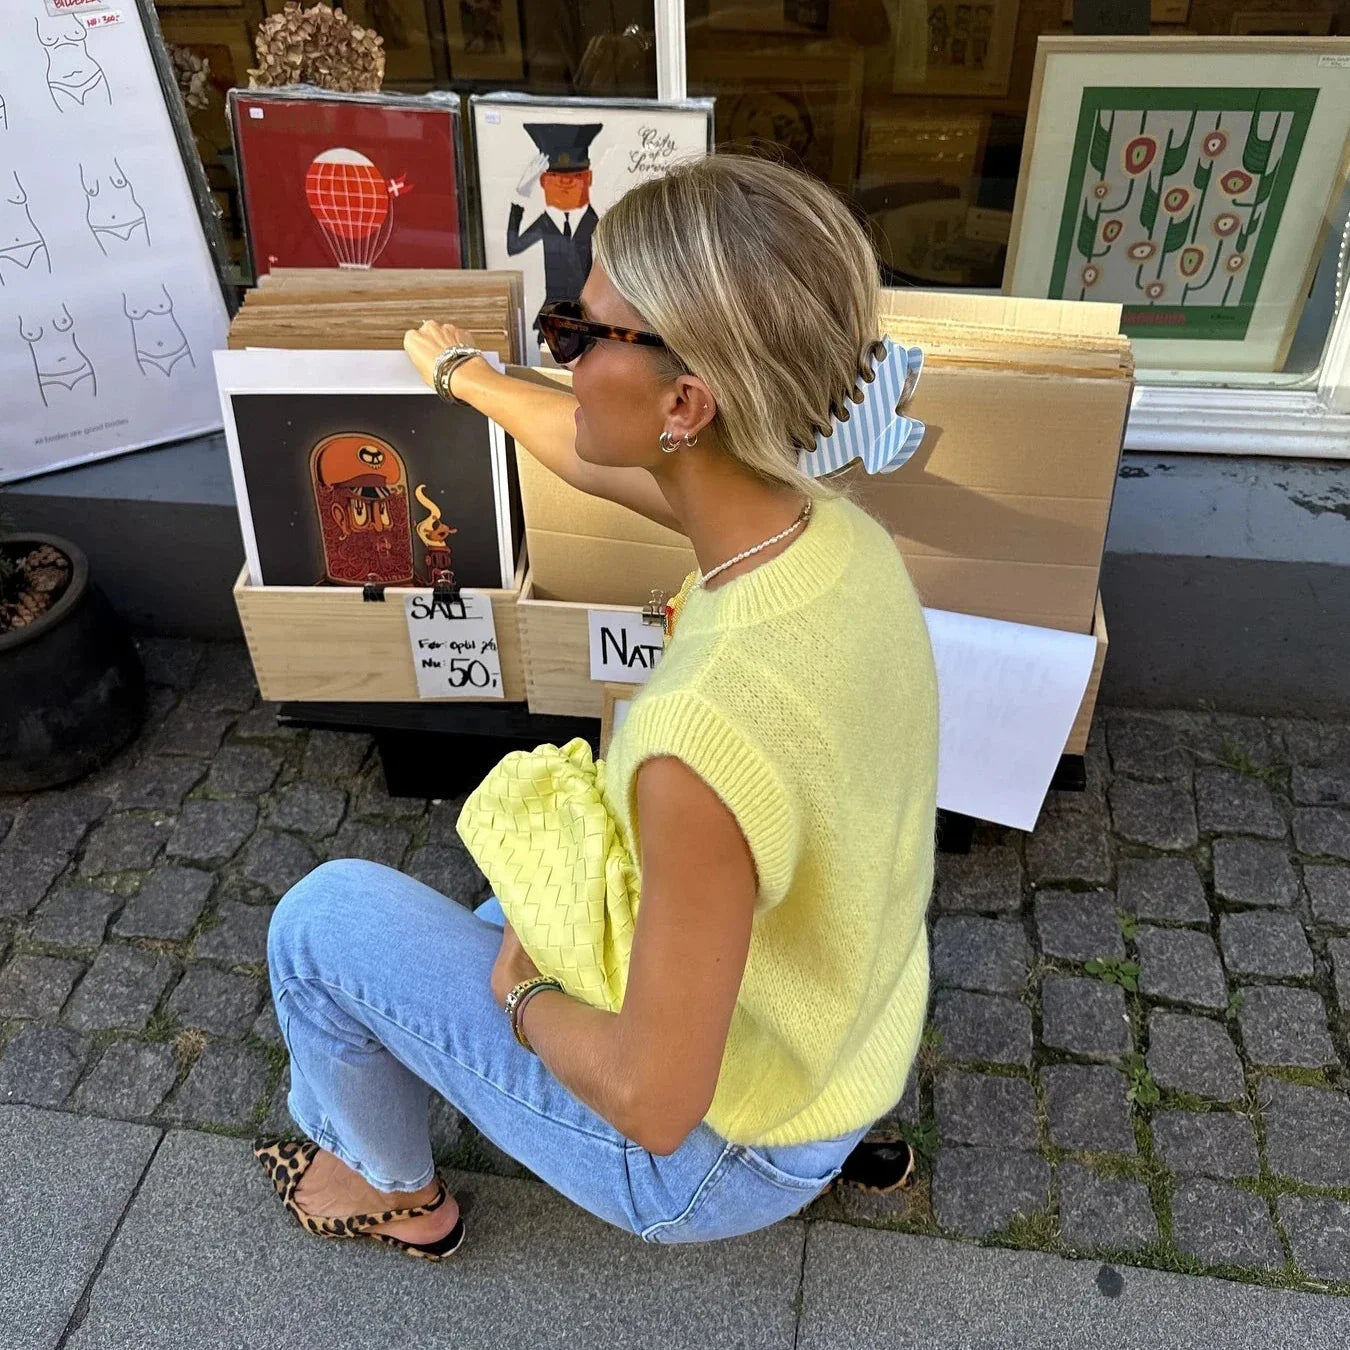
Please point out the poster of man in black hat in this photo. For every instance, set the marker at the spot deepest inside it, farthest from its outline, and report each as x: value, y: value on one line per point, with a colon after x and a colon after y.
x: 565, y: 226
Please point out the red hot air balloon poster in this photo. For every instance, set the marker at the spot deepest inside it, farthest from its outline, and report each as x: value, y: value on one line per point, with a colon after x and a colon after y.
x: 349, y: 180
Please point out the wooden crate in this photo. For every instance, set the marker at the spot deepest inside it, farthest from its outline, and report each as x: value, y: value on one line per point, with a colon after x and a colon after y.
x: 555, y: 635
x: 327, y: 644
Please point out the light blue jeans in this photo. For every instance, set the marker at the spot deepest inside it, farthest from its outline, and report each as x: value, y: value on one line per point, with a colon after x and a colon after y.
x: 382, y: 993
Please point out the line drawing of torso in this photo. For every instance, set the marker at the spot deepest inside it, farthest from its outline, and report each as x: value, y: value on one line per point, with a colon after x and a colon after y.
x: 62, y: 368
x: 21, y: 243
x: 73, y: 76
x: 158, y: 337
x: 115, y: 217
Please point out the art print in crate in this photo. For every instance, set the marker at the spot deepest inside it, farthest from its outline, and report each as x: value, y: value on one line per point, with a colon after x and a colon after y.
x: 347, y: 470
x: 353, y: 182
x: 1174, y: 201
x: 549, y: 169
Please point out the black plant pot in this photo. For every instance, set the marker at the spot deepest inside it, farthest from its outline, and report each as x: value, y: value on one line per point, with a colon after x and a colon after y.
x: 72, y: 690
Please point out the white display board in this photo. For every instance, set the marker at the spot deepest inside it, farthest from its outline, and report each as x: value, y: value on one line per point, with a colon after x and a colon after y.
x: 110, y: 304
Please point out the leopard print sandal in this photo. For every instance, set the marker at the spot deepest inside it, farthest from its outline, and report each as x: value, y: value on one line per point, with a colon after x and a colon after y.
x: 287, y: 1160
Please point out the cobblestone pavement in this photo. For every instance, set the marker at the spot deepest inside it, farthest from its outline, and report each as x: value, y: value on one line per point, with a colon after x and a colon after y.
x: 1138, y: 1039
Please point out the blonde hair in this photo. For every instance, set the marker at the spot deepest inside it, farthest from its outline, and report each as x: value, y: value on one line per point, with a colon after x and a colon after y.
x: 763, y: 285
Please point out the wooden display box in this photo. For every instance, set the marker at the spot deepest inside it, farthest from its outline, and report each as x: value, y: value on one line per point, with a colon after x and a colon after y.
x: 328, y: 644
x: 555, y: 635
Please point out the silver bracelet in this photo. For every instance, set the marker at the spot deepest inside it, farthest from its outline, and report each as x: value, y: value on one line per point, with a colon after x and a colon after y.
x: 446, y: 364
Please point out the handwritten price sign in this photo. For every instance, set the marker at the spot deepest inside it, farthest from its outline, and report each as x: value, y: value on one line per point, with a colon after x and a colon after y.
x: 454, y: 646
x: 104, y: 19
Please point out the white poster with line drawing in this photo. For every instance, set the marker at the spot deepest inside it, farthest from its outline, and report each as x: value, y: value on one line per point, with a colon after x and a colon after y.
x: 110, y: 305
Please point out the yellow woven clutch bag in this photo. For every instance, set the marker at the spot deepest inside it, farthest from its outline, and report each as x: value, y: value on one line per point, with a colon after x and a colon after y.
x: 539, y: 828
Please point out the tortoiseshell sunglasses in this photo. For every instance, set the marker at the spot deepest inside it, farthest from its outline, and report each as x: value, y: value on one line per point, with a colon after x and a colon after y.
x: 570, y: 334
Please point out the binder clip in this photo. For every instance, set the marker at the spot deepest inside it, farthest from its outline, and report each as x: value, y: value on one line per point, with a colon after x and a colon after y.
x: 654, y: 611
x: 445, y: 596
x: 372, y: 590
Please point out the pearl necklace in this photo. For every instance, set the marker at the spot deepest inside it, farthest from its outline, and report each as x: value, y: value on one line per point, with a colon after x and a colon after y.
x: 706, y: 577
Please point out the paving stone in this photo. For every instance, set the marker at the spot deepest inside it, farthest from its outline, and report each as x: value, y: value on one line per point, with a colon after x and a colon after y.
x: 265, y: 1026
x: 1180, y: 965
x: 129, y: 1082
x: 1160, y: 815
x: 1321, y: 787
x: 1087, y: 1108
x: 1319, y: 1234
x: 1168, y: 890
x: 450, y: 870
x: 1263, y: 943
x: 74, y: 916
x: 1229, y: 802
x: 40, y: 1065
x: 1078, y: 925
x: 1069, y: 845
x: 260, y: 724
x: 1248, y: 873
x: 28, y: 877
x: 277, y: 861
x: 1233, y: 738
x: 979, y: 1108
x: 373, y: 800
x: 6, y: 820
x: 120, y: 990
x: 217, y: 1001
x: 978, y: 1191
x: 1221, y: 1226
x: 278, y: 1118
x: 1322, y: 831
x: 1339, y: 951
x: 309, y: 808
x: 224, y: 1087
x: 37, y: 986
x: 443, y: 820
x: 159, y: 782
x: 1307, y: 1132
x: 238, y: 937
x: 1321, y: 744
x: 123, y: 843
x: 212, y: 831
x: 1098, y: 1213
x: 982, y: 1027
x: 1146, y: 747
x: 376, y: 843
x: 1284, y: 1026
x: 1207, y: 1143
x: 1084, y: 1017
x: 190, y: 731
x: 1193, y: 1054
x: 225, y: 682
x: 334, y: 755
x: 54, y: 823
x: 168, y: 903
x: 1329, y: 893
x: 987, y: 880
x: 989, y: 955
x: 170, y: 661
x: 243, y: 770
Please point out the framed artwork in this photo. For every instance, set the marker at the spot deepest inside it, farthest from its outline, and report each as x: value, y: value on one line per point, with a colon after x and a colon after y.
x: 347, y: 469
x: 483, y: 37
x: 549, y: 168
x: 1198, y: 195
x: 1159, y: 11
x: 805, y: 98
x: 905, y: 145
x: 1283, y: 23
x: 110, y: 294
x: 349, y: 180
x: 950, y: 48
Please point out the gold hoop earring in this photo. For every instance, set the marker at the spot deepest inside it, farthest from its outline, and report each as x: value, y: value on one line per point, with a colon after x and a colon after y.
x: 669, y: 445
x: 691, y: 440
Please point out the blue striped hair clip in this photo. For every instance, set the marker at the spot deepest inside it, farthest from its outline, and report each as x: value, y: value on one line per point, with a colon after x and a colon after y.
x: 874, y: 431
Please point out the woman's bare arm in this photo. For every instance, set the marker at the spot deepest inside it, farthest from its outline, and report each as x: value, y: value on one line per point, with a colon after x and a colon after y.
x: 540, y: 419
x: 651, y: 1069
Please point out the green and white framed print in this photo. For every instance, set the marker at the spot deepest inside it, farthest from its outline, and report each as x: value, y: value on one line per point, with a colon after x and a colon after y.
x: 1190, y: 180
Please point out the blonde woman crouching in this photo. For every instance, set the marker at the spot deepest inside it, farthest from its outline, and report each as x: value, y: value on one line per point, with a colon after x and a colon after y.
x: 775, y: 781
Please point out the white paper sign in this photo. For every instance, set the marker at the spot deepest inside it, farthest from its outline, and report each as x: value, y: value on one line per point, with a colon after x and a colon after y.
x: 624, y: 650
x: 56, y: 8
x: 1008, y: 694
x: 454, y: 646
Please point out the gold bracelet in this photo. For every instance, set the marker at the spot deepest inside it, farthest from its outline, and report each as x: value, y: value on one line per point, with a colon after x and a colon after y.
x: 520, y: 996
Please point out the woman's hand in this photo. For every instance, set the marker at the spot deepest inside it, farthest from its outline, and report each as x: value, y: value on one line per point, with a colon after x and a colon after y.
x: 426, y: 343
x: 512, y: 966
